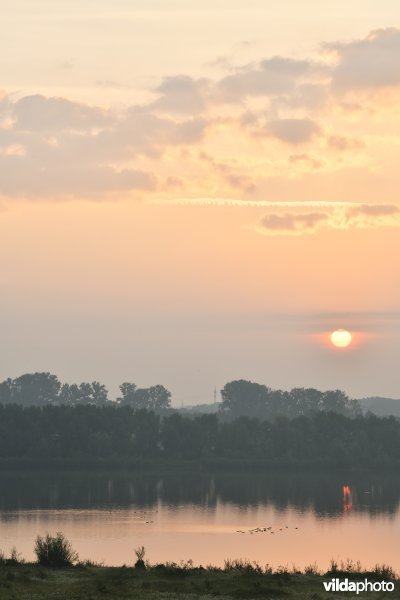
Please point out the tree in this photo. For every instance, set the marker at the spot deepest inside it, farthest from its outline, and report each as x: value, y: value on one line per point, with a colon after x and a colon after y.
x: 306, y: 400
x: 99, y: 393
x: 127, y: 397
x: 243, y: 397
x: 32, y: 389
x: 159, y: 397
x: 278, y: 403
x: 6, y: 391
x: 69, y: 394
x: 145, y: 433
x: 156, y: 397
x: 94, y: 393
x: 141, y: 399
x: 337, y: 401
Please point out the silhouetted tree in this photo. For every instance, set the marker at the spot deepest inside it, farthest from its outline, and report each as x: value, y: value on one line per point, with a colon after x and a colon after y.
x: 85, y: 393
x: 127, y: 394
x: 243, y: 397
x: 156, y: 397
x: 69, y: 394
x: 6, y: 391
x: 30, y: 389
x: 255, y: 400
x: 112, y: 431
x: 305, y: 401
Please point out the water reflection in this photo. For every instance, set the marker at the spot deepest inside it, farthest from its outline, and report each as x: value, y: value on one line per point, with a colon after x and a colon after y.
x: 286, y: 518
x: 347, y: 498
x: 324, y: 495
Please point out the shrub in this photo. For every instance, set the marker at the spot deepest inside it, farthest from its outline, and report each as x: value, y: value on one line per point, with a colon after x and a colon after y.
x: 312, y: 570
x: 333, y: 567
x: 54, y: 551
x: 15, y: 557
x: 242, y: 565
x: 384, y: 571
x: 140, y: 553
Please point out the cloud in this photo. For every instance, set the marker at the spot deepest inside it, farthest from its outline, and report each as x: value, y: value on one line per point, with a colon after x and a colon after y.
x: 230, y: 174
x: 374, y: 210
x: 174, y: 183
x: 38, y: 113
x: 309, y: 95
x: 372, y: 62
x: 276, y: 75
x: 305, y: 160
x: 337, y: 216
x: 263, y: 112
x: 182, y: 94
x: 292, y: 131
x: 55, y: 147
x: 292, y: 82
x: 367, y: 63
x: 110, y: 83
x: 91, y: 181
x: 292, y: 223
x: 342, y: 143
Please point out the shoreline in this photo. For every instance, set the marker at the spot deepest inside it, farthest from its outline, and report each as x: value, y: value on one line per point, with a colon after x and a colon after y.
x: 238, y: 579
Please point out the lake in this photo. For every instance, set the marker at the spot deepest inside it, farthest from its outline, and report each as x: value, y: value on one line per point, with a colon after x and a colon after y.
x: 274, y: 518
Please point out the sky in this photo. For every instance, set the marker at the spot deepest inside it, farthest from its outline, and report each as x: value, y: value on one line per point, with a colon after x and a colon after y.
x: 191, y: 194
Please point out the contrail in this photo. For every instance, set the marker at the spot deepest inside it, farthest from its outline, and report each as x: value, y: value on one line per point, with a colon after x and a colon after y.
x: 251, y: 203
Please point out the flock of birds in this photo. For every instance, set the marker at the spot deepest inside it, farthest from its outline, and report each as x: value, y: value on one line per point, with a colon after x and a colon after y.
x: 264, y: 530
x: 143, y: 514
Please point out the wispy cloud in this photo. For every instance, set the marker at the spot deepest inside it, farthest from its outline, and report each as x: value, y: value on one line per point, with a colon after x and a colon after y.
x: 230, y: 175
x: 67, y: 148
x: 293, y: 223
x: 292, y: 131
x: 307, y: 217
x: 372, y: 62
x: 279, y: 117
x: 361, y: 216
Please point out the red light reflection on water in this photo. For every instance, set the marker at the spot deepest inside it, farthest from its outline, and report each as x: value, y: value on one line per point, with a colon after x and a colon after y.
x: 347, y: 499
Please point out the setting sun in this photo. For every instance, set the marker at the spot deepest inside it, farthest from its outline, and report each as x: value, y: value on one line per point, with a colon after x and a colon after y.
x: 341, y: 338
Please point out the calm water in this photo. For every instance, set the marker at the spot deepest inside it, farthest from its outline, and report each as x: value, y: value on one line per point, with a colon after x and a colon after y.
x: 201, y: 517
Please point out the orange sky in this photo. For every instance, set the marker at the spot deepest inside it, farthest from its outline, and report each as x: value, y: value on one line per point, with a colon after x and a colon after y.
x: 199, y: 195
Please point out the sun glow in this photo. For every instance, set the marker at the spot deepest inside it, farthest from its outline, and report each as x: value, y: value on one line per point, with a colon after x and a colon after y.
x: 341, y: 338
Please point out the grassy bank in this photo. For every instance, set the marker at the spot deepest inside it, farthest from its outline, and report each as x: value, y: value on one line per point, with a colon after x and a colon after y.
x: 238, y: 579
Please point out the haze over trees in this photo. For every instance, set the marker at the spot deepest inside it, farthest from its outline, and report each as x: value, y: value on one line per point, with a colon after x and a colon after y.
x: 122, y: 434
x: 239, y: 398
x: 40, y: 417
x: 253, y: 399
x: 155, y: 398
x: 382, y: 407
x: 44, y: 389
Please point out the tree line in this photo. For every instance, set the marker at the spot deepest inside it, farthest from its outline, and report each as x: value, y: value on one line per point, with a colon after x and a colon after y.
x: 243, y: 397
x: 122, y: 433
x: 238, y: 398
x: 45, y: 389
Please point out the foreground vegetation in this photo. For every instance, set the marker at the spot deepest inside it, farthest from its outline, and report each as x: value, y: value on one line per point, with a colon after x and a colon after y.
x: 58, y: 573
x: 238, y: 579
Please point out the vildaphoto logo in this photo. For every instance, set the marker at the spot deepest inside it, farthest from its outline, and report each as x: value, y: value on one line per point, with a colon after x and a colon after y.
x: 344, y: 585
